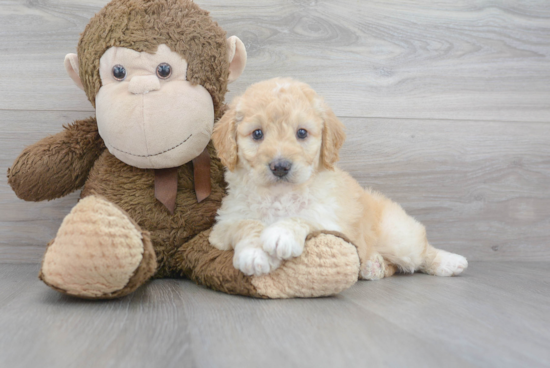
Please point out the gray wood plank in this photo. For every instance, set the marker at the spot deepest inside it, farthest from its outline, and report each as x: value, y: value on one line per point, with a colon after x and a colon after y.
x: 41, y: 328
x: 297, y: 333
x: 481, y: 188
x: 469, y: 59
x: 496, y: 314
x: 416, y: 82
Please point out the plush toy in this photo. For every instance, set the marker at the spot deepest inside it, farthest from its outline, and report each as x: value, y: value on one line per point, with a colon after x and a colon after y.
x: 156, y: 72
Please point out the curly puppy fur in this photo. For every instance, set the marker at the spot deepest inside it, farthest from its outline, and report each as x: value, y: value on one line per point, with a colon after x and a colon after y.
x: 283, y: 184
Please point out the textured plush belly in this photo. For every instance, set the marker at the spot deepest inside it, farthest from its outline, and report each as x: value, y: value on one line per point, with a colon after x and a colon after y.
x: 133, y: 190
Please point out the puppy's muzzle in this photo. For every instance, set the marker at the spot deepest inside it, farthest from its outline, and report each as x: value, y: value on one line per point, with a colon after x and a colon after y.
x: 280, y: 168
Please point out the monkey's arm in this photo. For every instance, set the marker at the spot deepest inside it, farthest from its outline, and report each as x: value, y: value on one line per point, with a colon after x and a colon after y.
x: 57, y: 165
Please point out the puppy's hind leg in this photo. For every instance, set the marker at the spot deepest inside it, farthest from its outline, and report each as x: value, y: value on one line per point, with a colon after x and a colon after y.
x: 376, y: 268
x: 373, y: 265
x: 403, y: 242
x: 438, y: 262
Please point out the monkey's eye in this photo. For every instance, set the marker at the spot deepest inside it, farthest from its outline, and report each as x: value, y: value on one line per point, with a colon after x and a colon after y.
x: 164, y: 71
x: 257, y: 134
x: 301, y: 134
x: 119, y: 73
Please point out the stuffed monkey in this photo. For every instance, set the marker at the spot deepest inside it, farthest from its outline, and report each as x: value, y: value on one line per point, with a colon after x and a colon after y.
x: 156, y: 72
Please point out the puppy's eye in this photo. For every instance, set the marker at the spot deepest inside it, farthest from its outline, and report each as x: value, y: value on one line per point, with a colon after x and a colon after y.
x: 301, y: 134
x: 164, y: 71
x: 257, y: 134
x: 119, y: 72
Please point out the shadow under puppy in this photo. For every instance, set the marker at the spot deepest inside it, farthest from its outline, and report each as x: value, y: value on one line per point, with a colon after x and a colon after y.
x: 279, y: 142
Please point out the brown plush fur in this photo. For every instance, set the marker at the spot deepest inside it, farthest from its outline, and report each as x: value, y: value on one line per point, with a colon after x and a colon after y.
x: 76, y: 157
x: 212, y: 267
x: 57, y: 165
x: 133, y: 190
x: 63, y: 163
x: 60, y: 164
x: 142, y: 25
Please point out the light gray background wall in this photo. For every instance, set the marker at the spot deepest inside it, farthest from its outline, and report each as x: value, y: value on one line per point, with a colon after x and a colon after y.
x: 447, y: 106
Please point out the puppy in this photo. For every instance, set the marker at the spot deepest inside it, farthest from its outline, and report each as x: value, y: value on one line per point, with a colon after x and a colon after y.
x: 279, y: 142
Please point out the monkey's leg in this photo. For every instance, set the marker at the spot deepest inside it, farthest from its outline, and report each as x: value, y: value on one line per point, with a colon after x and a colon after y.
x: 99, y: 252
x: 328, y: 265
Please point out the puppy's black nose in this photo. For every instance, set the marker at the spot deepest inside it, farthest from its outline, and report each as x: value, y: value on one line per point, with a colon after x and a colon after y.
x: 280, y: 168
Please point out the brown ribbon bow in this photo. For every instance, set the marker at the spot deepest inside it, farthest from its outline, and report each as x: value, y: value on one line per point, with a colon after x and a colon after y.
x: 166, y: 182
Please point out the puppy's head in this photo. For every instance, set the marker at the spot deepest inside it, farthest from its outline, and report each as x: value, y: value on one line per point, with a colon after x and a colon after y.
x: 279, y: 131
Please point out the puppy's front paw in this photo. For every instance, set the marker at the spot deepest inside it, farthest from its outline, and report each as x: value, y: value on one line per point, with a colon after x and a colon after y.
x: 254, y: 261
x: 281, y: 242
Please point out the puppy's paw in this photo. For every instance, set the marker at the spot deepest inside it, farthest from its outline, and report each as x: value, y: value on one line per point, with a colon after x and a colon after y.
x: 449, y: 264
x: 218, y: 238
x: 254, y: 261
x: 282, y: 243
x: 373, y: 269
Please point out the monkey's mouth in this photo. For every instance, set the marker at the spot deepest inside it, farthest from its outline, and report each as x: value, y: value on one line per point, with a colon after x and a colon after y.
x: 153, y: 154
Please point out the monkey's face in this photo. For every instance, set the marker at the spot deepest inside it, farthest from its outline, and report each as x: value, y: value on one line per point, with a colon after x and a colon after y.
x: 147, y: 112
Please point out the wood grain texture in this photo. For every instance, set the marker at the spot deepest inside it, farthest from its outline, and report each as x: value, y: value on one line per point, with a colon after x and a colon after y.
x: 469, y: 59
x: 481, y: 188
x: 447, y: 104
x: 496, y: 314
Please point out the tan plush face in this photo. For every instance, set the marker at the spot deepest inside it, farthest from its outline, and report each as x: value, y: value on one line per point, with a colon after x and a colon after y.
x: 151, y: 116
x: 280, y: 132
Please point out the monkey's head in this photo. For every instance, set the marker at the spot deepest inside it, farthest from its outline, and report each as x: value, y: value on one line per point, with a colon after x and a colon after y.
x: 157, y: 72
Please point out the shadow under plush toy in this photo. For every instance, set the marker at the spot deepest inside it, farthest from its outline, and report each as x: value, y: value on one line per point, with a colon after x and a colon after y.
x: 157, y: 72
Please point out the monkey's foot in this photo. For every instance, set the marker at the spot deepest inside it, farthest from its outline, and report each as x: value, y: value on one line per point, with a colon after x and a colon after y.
x: 99, y: 252
x: 328, y: 265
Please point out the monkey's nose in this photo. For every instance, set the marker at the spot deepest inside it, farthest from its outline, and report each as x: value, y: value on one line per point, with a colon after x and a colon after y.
x: 141, y: 84
x: 280, y: 168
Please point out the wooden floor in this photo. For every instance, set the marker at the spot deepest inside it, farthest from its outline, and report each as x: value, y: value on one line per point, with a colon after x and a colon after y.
x: 496, y: 315
x: 447, y: 108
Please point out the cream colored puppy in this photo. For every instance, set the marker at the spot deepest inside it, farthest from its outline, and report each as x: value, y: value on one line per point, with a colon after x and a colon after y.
x: 280, y: 141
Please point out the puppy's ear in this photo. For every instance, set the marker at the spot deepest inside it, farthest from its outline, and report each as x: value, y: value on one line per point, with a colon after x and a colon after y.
x: 224, y: 138
x: 333, y: 138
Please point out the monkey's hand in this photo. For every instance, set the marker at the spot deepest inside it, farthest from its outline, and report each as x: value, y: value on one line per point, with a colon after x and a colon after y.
x: 57, y: 165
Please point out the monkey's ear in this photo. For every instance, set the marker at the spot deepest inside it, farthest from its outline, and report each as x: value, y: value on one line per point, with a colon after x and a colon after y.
x: 236, y: 54
x: 71, y: 65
